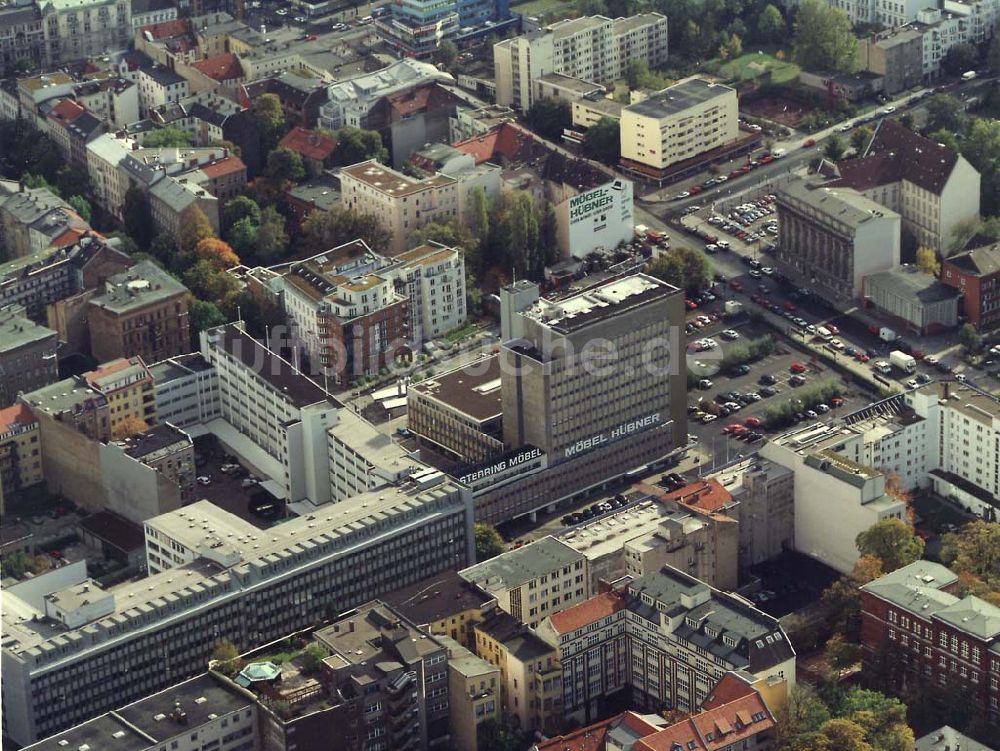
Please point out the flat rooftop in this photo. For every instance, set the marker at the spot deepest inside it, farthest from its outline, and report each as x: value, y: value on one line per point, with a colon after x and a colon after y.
x: 611, y: 533
x: 115, y: 530
x: 638, y: 21
x: 678, y: 98
x: 839, y: 205
x: 472, y: 390
x: 967, y: 400
x: 437, y: 598
x: 598, y: 303
x: 908, y: 282
x: 142, y: 285
x: 104, y: 733
x: 68, y: 394
x: 154, y: 441
x: 17, y: 331
x: 516, y: 567
x: 572, y: 26
x: 578, y: 85
x: 391, y: 183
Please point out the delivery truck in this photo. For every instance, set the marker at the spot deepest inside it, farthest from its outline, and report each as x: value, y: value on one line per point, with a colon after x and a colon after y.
x: 903, y: 361
x: 887, y: 335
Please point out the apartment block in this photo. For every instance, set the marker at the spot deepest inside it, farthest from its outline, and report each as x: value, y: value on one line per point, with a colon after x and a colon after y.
x: 592, y: 48
x: 830, y: 238
x: 142, y: 311
x: 679, y: 123
x: 915, y: 618
x: 160, y: 85
x: 71, y: 128
x: 473, y: 694
x: 975, y: 273
x: 533, y: 581
x: 20, y: 452
x: 76, y: 30
x: 35, y: 219
x: 530, y: 674
x: 127, y: 385
x: 445, y: 605
x: 21, y: 35
x: 167, y: 450
x: 399, y: 203
x: 347, y: 311
x: 433, y: 278
x: 932, y: 188
x: 203, y: 712
x: 593, y: 651
x: 250, y: 591
x: 27, y: 354
x: 829, y: 478
x: 897, y: 56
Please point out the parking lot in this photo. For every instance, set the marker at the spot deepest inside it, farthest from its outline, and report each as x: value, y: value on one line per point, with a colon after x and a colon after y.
x: 749, y: 227
x: 233, y: 490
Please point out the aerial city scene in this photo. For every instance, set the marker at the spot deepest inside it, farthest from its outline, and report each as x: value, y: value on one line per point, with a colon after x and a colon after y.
x: 500, y: 375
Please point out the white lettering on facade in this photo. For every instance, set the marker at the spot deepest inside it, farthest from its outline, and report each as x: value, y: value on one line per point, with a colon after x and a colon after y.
x: 504, y: 464
x: 621, y: 431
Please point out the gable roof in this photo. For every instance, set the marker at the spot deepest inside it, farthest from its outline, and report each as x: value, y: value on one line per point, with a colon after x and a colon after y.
x: 714, y: 728
x: 225, y: 67
x: 897, y: 153
x: 978, y: 261
x: 588, y: 611
x: 167, y: 29
x: 308, y: 143
x: 225, y: 166
x: 627, y: 725
x: 66, y: 111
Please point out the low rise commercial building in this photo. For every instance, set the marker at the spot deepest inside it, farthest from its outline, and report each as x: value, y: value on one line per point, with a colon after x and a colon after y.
x: 678, y: 123
x: 915, y: 618
x: 27, y: 355
x: 975, y: 274
x: 829, y: 478
x: 917, y: 300
x: 534, y: 581
x: 142, y: 311
x: 590, y: 110
x: 830, y: 239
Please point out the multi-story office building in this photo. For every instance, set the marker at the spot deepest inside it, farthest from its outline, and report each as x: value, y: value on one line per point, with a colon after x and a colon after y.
x: 142, y: 311
x: 282, y: 412
x: 398, y: 673
x: 205, y: 712
x: 433, y: 278
x: 346, y: 311
x: 592, y: 48
x: 20, y: 452
x: 249, y: 589
x: 27, y: 354
x: 684, y: 636
x: 400, y: 204
x: 417, y: 27
x: 976, y: 274
x: 186, y: 390
x: 362, y: 458
x: 830, y: 239
x: 78, y: 29
x: 913, y: 620
x: 679, y: 123
x: 932, y: 188
x: 829, y: 478
x: 592, y: 646
x: 530, y: 674
x: 533, y: 581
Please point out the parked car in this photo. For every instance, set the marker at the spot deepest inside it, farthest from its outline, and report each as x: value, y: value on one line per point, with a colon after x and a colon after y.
x: 204, y: 480
x: 797, y: 367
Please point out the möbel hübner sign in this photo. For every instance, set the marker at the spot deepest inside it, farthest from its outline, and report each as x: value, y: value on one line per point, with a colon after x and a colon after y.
x: 621, y: 431
x: 598, y: 218
x: 500, y: 466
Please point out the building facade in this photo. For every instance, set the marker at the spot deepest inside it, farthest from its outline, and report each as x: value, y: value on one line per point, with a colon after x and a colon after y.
x: 975, y: 274
x: 20, y: 452
x: 92, y: 28
x: 27, y: 355
x: 432, y: 277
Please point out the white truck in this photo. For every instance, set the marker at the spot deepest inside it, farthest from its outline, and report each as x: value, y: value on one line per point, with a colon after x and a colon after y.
x: 887, y: 335
x: 903, y: 361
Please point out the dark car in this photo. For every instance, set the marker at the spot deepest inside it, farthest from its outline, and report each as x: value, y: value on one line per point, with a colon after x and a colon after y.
x: 768, y: 379
x: 740, y: 370
x: 767, y: 391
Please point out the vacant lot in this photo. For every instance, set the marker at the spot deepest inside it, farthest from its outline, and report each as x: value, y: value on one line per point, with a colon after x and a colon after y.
x: 753, y: 64
x: 543, y: 7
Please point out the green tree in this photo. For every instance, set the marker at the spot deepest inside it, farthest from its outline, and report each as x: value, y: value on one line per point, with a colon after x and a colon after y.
x: 841, y: 601
x: 492, y: 735
x: 771, y: 25
x: 356, y: 145
x: 960, y: 57
x: 803, y: 713
x: 946, y: 138
x: 137, y: 218
x: 893, y: 542
x: 204, y: 315
x: 195, y: 227
x: 208, y: 283
x: 548, y: 117
x: 284, y: 165
x: 970, y: 339
x: 591, y: 7
x: 80, y: 206
x: 489, y: 543
x: 733, y: 46
x: 927, y: 261
x: 323, y: 230
x: 238, y: 208
x: 164, y: 249
x: 166, y: 138
x: 242, y: 236
x: 993, y: 56
x: 446, y: 55
x: 945, y: 112
x: 602, y: 141
x: 834, y: 149
x: 823, y: 39
x: 860, y: 139
x: 841, y: 654
x: 270, y: 119
x: 451, y: 232
x: 227, y: 658
x: 975, y: 550
x: 845, y: 735
x: 682, y: 267
x: 522, y: 220
x: 312, y: 658
x: 982, y: 148
x: 71, y: 180
x: 636, y: 73
x: 271, y: 241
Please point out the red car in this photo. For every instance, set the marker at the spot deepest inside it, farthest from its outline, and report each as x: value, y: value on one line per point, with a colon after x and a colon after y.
x: 753, y: 422
x: 790, y: 307
x: 690, y: 304
x: 918, y: 354
x: 736, y: 285
x: 55, y: 554
x: 862, y: 357
x: 832, y: 329
x: 694, y: 190
x: 808, y: 142
x: 836, y: 401
x: 734, y: 428
x: 797, y: 367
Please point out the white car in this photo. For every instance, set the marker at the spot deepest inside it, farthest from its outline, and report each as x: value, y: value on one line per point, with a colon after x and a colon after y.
x: 730, y: 335
x: 961, y: 378
x: 204, y: 480
x: 708, y: 418
x: 889, y: 110
x: 912, y: 383
x: 248, y: 482
x: 767, y: 271
x: 822, y: 409
x: 837, y: 344
x: 281, y: 12
x: 844, y: 128
x: 931, y: 360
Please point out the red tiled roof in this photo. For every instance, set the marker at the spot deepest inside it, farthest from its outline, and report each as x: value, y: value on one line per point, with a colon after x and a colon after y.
x: 588, y: 611
x: 17, y: 414
x: 592, y: 737
x: 705, y: 495
x: 713, y: 729
x: 224, y: 67
x: 308, y: 143
x: 897, y: 153
x: 505, y: 139
x: 729, y: 688
x: 225, y: 166
x: 68, y: 237
x: 167, y: 29
x: 481, y: 147
x: 67, y: 111
x: 408, y: 102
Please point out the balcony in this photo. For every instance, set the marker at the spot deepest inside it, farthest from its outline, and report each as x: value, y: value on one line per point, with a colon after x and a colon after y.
x: 401, y: 725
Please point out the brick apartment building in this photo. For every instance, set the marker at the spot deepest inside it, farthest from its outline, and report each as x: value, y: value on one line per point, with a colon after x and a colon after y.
x: 976, y: 274
x: 913, y: 617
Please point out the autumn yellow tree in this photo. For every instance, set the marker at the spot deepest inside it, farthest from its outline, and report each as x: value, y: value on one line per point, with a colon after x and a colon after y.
x: 217, y: 252
x: 195, y: 227
x: 927, y: 261
x: 894, y: 489
x: 129, y: 427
